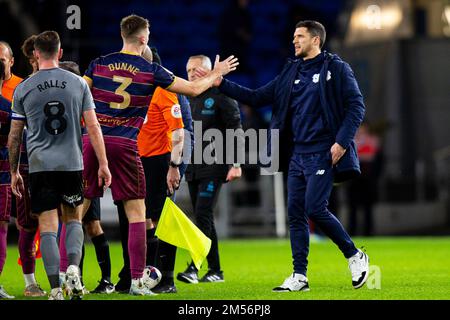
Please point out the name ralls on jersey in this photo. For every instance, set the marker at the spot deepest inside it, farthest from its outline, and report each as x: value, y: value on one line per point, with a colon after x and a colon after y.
x: 51, y: 84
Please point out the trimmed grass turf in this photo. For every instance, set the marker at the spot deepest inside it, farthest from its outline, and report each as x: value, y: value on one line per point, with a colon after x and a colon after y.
x: 411, y: 268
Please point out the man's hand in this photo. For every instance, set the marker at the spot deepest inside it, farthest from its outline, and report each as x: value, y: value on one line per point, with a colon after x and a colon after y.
x: 234, y: 173
x: 201, y: 72
x: 104, y: 177
x: 173, y: 179
x: 17, y: 185
x: 225, y: 66
x: 336, y: 152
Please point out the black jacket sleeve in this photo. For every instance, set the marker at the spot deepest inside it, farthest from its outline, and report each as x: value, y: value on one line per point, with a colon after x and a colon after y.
x: 262, y: 96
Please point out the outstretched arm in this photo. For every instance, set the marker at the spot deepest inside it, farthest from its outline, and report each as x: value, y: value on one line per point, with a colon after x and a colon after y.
x: 194, y: 88
x: 255, y: 98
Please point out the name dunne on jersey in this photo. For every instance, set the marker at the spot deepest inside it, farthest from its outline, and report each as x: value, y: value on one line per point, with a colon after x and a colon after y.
x: 123, y: 66
x: 51, y: 84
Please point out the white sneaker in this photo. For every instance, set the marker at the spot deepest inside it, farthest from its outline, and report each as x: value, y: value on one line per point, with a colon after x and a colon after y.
x: 359, y: 267
x: 138, y: 288
x: 56, y: 294
x: 4, y: 294
x: 74, y: 286
x: 295, y: 282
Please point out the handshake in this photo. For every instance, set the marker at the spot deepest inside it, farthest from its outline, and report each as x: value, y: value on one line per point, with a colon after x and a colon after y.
x: 222, y: 68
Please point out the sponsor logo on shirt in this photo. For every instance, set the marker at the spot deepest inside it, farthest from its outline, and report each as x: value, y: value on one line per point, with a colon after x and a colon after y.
x: 176, y: 111
x: 209, y: 103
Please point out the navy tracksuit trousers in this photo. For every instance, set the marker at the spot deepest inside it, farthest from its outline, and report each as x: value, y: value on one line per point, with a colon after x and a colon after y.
x: 310, y: 180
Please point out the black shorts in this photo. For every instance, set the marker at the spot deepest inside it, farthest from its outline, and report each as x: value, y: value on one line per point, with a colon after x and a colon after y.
x: 93, y: 212
x: 50, y: 189
x: 155, y: 169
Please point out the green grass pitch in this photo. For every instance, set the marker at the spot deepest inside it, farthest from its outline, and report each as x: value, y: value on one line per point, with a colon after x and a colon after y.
x: 409, y: 268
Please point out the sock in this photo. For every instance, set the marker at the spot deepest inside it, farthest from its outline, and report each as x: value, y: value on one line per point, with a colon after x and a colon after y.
x: 82, y: 260
x: 192, y: 266
x: 124, y: 274
x: 74, y: 242
x: 167, y: 254
x: 300, y: 276
x: 103, y: 258
x: 63, y: 262
x: 3, y: 244
x: 29, y: 279
x: 27, y: 251
x: 50, y: 257
x: 152, y: 247
x: 137, y: 248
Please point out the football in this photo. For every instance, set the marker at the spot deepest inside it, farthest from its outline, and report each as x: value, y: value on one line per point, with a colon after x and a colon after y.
x: 152, y: 276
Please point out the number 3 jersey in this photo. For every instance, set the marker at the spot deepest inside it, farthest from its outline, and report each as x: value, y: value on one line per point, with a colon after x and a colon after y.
x: 122, y: 86
x: 52, y: 102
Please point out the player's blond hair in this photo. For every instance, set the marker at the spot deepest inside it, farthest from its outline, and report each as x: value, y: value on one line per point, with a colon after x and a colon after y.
x: 131, y: 26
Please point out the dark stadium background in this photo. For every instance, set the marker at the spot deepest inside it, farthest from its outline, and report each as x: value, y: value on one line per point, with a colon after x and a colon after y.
x: 403, y: 70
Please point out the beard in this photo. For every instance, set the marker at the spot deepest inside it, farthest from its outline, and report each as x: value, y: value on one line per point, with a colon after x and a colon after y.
x: 304, y: 51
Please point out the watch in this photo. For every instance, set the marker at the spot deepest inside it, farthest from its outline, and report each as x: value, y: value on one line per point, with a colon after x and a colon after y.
x: 174, y: 165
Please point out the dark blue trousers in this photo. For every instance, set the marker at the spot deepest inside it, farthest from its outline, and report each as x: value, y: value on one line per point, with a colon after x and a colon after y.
x: 310, y: 180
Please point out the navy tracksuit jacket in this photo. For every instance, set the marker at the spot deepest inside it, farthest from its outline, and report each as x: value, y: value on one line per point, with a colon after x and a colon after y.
x: 316, y: 103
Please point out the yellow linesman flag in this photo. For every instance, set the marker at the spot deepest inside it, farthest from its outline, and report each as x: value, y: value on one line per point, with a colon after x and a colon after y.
x: 174, y: 227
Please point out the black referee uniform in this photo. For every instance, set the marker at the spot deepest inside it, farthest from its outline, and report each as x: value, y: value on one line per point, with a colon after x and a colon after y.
x: 215, y: 111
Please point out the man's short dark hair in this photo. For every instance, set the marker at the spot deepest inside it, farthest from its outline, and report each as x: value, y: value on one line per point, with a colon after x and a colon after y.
x: 2, y: 71
x: 131, y: 25
x: 316, y: 29
x: 70, y: 66
x: 47, y: 43
x: 28, y: 46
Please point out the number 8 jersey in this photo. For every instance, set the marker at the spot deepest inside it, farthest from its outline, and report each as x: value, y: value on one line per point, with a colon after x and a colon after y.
x: 122, y: 86
x: 52, y: 102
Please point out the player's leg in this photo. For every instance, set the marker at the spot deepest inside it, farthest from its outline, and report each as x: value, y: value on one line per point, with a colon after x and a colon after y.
x: 44, y: 202
x: 27, y: 225
x: 71, y: 195
x: 319, y: 184
x: 3, y: 247
x: 74, y: 243
x: 48, y: 225
x: 63, y: 262
x: 135, y: 211
x: 3, y: 243
x: 124, y: 283
x: 129, y: 186
x: 91, y: 222
x: 5, y: 209
x: 298, y: 229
